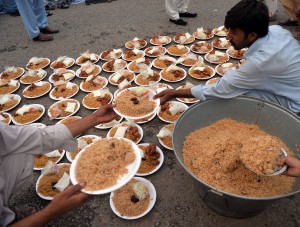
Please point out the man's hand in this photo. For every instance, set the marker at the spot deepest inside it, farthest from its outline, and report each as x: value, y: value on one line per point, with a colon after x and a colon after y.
x: 165, y: 96
x: 293, y: 164
x: 105, y: 114
x: 67, y: 200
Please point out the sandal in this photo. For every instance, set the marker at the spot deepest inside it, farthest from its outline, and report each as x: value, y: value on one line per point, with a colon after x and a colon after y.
x: 24, y: 210
x: 49, y: 13
x: 50, y: 6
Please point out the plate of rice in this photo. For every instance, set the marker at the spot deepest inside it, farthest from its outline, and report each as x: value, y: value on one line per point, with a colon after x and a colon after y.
x: 64, y: 91
x: 40, y: 161
x: 165, y: 136
x: 33, y: 76
x: 36, y: 90
x: 9, y: 101
x: 64, y: 108
x: 93, y: 83
x: 8, y: 86
x: 128, y: 130
x: 5, y: 118
x: 28, y: 114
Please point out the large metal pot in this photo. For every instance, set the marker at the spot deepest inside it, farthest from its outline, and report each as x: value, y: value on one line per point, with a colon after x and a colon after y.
x: 269, y: 117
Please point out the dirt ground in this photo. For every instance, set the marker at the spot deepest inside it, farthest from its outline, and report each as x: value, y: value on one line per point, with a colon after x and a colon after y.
x: 99, y: 27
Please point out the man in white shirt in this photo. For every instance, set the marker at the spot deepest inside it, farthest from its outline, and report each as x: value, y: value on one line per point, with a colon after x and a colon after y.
x: 272, y: 68
x: 18, y: 146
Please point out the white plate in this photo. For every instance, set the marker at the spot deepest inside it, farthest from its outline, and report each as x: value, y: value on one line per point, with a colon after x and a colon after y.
x: 96, y: 108
x: 152, y: 194
x: 61, y: 98
x: 141, y: 47
x: 173, y: 59
x: 77, y: 60
x: 129, y: 64
x: 161, y: 160
x: 23, y: 71
x: 113, y: 83
x: 18, y: 86
x: 214, y: 62
x: 109, y: 59
x: 104, y: 79
x: 165, y: 146
x: 178, y: 55
x: 212, y: 80
x: 48, y: 62
x: 78, y: 106
x: 105, y: 126
x: 60, y: 158
x: 162, y: 44
x: 112, y: 71
x: 195, y: 34
x: 211, y: 76
x: 38, y: 181
x: 68, y: 70
x: 186, y: 100
x: 140, y: 52
x: 68, y: 154
x: 234, y: 57
x: 9, y: 116
x: 185, y: 43
x: 78, y: 71
x: 168, y: 121
x: 126, y: 123
x: 41, y: 78
x: 164, y: 51
x: 16, y: 97
x: 201, y: 59
x: 141, y: 121
x: 200, y: 52
x: 60, y: 121
x: 44, y: 82
x: 156, y: 101
x: 73, y: 62
x: 132, y: 169
x: 43, y: 111
x: 215, y: 31
x: 135, y: 80
x: 170, y: 81
x: 220, y: 48
x: 38, y: 125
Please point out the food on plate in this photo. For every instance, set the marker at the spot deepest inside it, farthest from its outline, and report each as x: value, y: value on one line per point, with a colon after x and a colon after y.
x: 87, y: 69
x: 220, y: 31
x: 131, y: 55
x: 37, y: 89
x: 202, y: 47
x: 62, y: 62
x: 225, y: 67
x: 52, y: 183
x: 136, y: 102
x: 104, y: 162
x: 158, y: 87
x: 87, y: 56
x: 8, y: 86
x: 163, y: 62
x: 40, y: 161
x: 184, y: 38
x: 83, y: 141
x: 139, y: 64
x: 171, y: 111
x: 110, y: 124
x: 189, y: 59
x: 63, y: 91
x: 213, y: 154
x: 150, y: 158
x: 97, y: 98
x: 238, y: 54
x: 147, y: 75
x: 69, y: 119
x: 27, y: 114
x: 202, y: 72
x: 216, y: 57
x: 114, y: 65
x: 142, y: 120
x: 173, y: 73
x: 203, y: 33
x: 132, y: 199
x: 11, y: 72
x: 160, y: 40
x: 93, y: 83
x: 187, y: 100
x: 37, y: 63
x: 165, y: 136
x: 119, y: 76
x: 62, y: 74
x: 111, y: 54
x: 32, y: 76
x: 155, y: 51
x: 8, y: 102
x: 221, y: 43
x: 63, y: 108
x: 213, y: 81
x: 5, y: 118
x: 178, y: 50
x: 136, y: 43
x: 128, y: 130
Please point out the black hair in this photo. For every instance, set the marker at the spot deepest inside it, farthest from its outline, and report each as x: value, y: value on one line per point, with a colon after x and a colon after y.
x: 249, y: 16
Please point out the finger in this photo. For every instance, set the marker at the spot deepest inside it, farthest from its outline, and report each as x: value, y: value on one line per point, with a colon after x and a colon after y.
x: 74, y: 189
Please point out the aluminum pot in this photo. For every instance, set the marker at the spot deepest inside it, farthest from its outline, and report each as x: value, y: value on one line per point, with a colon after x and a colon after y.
x: 270, y: 117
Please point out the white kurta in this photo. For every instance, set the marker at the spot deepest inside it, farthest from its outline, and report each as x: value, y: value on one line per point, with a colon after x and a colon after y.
x: 18, y: 144
x: 174, y: 7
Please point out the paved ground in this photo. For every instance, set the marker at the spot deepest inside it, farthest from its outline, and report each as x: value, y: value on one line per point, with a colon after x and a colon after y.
x: 109, y: 25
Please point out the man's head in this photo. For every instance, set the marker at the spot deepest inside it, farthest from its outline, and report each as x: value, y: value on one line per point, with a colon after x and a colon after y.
x: 247, y: 21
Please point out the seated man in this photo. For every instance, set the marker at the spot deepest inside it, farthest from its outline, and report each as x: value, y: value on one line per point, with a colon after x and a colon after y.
x: 19, y: 144
x: 272, y: 68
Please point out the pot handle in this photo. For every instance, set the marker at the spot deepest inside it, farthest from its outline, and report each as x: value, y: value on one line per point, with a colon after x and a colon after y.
x: 215, y: 198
